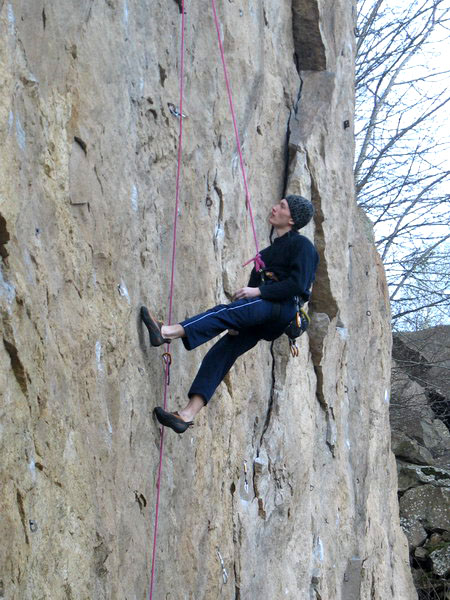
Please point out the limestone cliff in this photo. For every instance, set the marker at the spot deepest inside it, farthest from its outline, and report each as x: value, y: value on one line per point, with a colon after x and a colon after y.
x: 288, y: 475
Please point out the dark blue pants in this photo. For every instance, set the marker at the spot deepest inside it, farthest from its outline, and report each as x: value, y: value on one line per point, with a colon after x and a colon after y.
x: 252, y: 318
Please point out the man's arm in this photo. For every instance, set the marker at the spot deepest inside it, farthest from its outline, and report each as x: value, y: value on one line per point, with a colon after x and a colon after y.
x: 252, y: 289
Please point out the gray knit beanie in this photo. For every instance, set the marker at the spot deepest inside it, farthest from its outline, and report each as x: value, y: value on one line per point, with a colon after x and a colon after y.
x: 301, y: 210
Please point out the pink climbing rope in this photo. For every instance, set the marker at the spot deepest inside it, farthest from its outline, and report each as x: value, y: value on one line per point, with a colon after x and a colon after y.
x: 257, y: 259
x: 259, y: 264
x: 172, y: 279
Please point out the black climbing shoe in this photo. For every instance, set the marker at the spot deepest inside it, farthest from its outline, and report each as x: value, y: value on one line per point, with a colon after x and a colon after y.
x: 172, y: 420
x: 154, y: 328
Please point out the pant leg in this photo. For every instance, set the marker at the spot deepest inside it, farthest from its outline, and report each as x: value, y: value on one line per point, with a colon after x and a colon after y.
x: 238, y: 315
x: 271, y: 330
x: 219, y: 360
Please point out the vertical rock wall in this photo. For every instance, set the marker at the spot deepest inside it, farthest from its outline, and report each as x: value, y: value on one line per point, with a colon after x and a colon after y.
x: 287, y: 477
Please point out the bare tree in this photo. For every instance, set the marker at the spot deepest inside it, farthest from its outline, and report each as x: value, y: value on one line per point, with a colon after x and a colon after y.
x: 403, y: 158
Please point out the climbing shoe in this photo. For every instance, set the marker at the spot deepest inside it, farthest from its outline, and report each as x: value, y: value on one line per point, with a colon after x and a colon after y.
x: 154, y: 328
x: 172, y: 420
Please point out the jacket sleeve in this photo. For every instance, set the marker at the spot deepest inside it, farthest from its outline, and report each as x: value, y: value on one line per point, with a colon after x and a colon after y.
x: 255, y: 279
x: 303, y: 265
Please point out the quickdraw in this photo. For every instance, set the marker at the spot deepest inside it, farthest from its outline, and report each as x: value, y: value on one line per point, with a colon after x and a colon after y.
x: 222, y: 564
x: 296, y: 328
x: 245, y: 476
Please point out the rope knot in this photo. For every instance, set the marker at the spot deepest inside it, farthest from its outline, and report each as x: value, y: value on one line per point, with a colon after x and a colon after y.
x: 259, y: 263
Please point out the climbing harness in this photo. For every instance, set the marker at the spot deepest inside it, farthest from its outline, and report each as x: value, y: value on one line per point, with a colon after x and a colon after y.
x: 259, y: 264
x: 299, y: 323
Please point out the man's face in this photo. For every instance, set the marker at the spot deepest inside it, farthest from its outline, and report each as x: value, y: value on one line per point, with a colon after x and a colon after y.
x: 280, y: 215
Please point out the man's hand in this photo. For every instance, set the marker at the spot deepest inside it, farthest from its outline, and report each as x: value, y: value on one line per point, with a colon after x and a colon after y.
x: 247, y: 292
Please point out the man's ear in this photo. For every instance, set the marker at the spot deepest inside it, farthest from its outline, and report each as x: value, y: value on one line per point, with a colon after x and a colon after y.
x: 291, y: 222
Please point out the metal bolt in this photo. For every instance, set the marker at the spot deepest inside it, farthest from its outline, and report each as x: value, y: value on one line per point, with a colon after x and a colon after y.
x: 33, y: 526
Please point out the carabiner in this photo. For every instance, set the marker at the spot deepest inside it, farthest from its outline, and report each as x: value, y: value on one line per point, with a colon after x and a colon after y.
x: 167, y: 359
x: 294, y: 348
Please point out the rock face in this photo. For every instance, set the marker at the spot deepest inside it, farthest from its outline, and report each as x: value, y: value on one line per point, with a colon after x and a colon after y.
x: 421, y: 443
x: 286, y: 488
x: 420, y: 413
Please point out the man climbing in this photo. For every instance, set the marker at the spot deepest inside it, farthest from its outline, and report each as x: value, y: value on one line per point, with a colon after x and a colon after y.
x: 262, y: 310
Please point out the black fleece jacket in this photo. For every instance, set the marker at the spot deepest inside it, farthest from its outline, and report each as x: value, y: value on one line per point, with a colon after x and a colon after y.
x: 293, y: 259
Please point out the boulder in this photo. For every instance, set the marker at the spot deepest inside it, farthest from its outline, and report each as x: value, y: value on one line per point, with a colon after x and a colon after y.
x: 428, y: 506
x: 441, y: 560
x: 421, y: 553
x: 409, y: 450
x: 415, y: 533
x: 410, y: 475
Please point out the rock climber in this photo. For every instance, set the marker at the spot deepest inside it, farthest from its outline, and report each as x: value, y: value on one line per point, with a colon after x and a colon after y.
x: 260, y: 311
